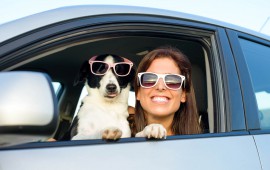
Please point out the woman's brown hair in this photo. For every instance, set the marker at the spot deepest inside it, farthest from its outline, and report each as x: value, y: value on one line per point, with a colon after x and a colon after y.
x: 186, y: 118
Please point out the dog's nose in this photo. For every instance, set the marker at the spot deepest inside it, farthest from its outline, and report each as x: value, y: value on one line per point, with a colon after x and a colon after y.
x: 111, y: 88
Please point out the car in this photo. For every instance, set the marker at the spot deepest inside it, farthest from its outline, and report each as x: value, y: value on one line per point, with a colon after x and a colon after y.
x: 230, y: 67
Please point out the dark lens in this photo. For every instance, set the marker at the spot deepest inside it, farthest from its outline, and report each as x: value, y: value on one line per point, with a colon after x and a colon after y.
x: 122, y: 69
x: 99, y: 68
x: 173, y: 81
x: 148, y: 79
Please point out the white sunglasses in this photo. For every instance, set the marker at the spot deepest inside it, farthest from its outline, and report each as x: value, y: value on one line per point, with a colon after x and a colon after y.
x: 171, y: 81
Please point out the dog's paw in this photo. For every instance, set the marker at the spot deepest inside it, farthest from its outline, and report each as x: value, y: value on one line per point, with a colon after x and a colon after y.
x: 153, y: 131
x: 111, y: 134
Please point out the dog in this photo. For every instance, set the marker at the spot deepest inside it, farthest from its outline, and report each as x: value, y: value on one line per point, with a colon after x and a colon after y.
x: 104, y: 111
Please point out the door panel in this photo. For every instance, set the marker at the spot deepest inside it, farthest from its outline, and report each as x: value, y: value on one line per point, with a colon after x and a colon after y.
x: 263, y: 145
x: 217, y: 153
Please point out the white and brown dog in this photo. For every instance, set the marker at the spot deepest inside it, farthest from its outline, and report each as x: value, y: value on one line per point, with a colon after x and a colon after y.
x: 104, y: 111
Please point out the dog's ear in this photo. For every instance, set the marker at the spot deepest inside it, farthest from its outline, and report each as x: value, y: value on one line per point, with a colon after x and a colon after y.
x: 132, y: 75
x: 82, y: 75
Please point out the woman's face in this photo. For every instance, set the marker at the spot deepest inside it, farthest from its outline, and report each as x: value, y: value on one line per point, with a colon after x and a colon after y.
x: 160, y: 102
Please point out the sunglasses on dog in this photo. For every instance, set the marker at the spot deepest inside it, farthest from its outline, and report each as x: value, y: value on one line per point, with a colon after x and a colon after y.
x: 171, y: 81
x: 101, y: 67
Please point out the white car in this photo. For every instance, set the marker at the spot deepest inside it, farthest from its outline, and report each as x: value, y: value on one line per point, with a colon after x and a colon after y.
x: 230, y: 67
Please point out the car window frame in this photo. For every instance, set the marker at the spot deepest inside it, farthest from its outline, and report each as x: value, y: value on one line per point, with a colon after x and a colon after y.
x: 232, y: 92
x: 227, y: 106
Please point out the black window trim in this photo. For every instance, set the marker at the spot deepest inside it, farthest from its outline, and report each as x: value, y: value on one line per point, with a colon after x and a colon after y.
x: 231, y: 86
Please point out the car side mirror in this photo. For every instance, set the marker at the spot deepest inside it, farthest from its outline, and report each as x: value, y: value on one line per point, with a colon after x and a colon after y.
x: 28, y: 107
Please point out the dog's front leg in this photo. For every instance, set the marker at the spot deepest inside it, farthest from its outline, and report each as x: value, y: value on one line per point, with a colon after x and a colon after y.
x: 111, y: 133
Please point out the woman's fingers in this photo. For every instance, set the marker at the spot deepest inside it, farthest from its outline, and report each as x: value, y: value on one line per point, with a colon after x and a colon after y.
x: 153, y: 131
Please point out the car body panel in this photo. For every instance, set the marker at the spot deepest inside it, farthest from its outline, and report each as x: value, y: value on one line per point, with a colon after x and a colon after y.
x: 262, y: 143
x: 222, y: 153
x: 11, y: 29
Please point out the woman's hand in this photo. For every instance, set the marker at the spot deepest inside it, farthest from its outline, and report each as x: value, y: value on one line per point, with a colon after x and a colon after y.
x: 153, y: 131
x: 51, y: 140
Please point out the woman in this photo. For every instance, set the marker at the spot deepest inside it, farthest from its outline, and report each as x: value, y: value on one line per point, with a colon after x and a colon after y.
x: 165, y: 100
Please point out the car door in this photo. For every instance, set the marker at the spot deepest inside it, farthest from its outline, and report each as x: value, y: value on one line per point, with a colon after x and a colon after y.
x: 226, y: 143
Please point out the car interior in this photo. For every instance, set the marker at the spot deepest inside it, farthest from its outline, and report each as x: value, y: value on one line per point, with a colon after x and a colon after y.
x: 63, y: 63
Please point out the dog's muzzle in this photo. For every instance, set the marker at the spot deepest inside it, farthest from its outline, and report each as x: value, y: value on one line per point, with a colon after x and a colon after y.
x: 111, y: 90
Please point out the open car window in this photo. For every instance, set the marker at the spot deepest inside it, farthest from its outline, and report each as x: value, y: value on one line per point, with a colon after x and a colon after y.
x: 61, y: 58
x: 74, y: 55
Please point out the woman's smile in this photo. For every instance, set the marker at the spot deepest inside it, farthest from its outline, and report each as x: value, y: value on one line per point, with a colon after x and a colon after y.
x: 160, y: 99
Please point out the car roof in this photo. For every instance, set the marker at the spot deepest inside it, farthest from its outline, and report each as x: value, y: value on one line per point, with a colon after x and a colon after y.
x: 23, y: 25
